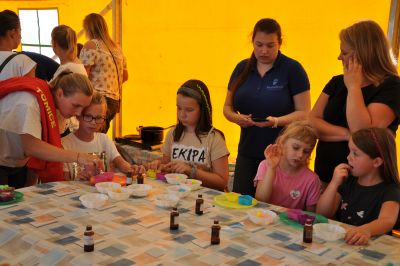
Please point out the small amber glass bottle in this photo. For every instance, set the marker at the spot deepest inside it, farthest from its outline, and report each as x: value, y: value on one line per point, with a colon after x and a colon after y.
x: 140, y: 179
x: 174, y: 219
x: 129, y: 178
x: 199, y: 205
x: 308, y: 231
x: 215, y: 228
x: 88, y: 241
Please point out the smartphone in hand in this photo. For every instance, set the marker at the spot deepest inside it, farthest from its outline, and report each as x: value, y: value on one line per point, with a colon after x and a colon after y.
x: 259, y: 119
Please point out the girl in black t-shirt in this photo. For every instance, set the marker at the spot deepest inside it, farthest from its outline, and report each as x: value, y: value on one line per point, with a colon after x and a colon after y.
x: 366, y: 191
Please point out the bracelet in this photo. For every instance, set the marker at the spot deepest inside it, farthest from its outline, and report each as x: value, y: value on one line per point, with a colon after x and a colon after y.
x: 275, y: 122
x: 193, y: 171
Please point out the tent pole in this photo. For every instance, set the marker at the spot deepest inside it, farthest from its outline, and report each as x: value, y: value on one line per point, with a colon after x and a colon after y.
x: 117, y: 36
x: 394, y: 27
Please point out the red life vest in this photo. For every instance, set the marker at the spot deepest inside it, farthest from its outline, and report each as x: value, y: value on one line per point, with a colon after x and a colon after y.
x: 46, y: 171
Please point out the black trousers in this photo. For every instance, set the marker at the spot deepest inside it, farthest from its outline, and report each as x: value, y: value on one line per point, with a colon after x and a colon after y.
x: 245, y: 171
x: 13, y: 176
x: 113, y: 107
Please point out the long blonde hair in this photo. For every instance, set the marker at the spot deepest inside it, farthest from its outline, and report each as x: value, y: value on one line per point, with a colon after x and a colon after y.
x: 96, y: 28
x: 65, y: 37
x: 372, y: 50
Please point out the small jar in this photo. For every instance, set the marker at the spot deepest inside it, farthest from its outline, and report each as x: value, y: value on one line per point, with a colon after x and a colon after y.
x: 308, y: 231
x: 215, y: 229
x: 139, y: 179
x: 199, y: 205
x: 174, y: 219
x: 88, y: 240
x: 129, y: 178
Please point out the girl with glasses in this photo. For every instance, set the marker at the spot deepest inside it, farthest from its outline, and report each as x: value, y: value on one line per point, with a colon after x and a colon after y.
x: 88, y: 139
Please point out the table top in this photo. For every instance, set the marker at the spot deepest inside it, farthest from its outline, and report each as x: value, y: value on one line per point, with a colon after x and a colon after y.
x: 140, y: 156
x: 46, y: 228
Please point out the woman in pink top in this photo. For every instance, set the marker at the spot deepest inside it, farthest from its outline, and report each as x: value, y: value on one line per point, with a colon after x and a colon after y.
x: 284, y: 178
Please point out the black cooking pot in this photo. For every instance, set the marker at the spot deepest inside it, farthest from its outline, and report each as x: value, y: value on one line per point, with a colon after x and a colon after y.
x: 151, y: 134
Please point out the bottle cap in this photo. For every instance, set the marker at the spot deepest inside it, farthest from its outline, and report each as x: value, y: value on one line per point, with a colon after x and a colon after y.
x: 200, y: 196
x: 88, y: 227
x: 216, y: 222
x: 309, y: 221
x: 174, y: 208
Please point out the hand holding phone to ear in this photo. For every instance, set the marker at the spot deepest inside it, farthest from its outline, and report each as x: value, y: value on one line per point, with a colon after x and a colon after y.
x: 352, y: 74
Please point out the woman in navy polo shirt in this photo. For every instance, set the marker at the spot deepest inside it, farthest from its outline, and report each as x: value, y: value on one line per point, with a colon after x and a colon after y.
x: 265, y: 92
x: 366, y: 95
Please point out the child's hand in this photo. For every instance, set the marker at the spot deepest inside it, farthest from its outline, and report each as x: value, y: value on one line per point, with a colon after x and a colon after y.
x: 138, y: 169
x: 165, y: 168
x: 357, y: 236
x: 154, y: 165
x: 92, y: 169
x: 180, y: 167
x: 340, y: 173
x: 272, y: 155
x: 82, y: 176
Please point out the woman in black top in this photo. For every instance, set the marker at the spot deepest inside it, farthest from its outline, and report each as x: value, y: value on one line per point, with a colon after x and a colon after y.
x: 366, y: 95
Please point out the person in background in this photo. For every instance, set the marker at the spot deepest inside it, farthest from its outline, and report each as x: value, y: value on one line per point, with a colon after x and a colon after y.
x: 45, y: 66
x: 366, y: 94
x: 265, y: 92
x: 284, y: 178
x: 12, y: 64
x: 29, y: 134
x: 105, y: 64
x: 63, y: 41
x: 87, y: 140
x: 194, y: 147
x: 79, y: 47
x: 365, y: 192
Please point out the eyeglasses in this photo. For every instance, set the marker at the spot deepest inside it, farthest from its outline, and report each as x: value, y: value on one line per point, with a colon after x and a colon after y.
x: 97, y: 120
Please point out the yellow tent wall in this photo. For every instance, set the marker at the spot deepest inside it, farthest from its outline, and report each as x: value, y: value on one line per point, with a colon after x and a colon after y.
x: 168, y: 42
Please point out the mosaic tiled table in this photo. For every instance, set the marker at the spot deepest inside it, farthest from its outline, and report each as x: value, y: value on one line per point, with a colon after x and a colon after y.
x: 47, y: 227
x: 141, y: 156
